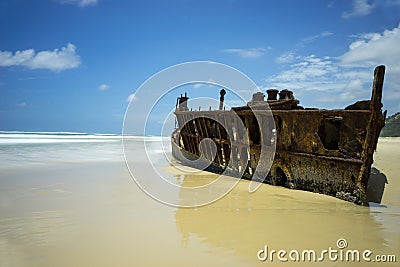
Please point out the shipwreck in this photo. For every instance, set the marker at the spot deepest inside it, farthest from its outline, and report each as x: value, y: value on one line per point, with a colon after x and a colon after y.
x: 323, y: 151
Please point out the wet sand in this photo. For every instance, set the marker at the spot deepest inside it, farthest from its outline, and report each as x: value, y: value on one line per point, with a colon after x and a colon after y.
x: 93, y: 214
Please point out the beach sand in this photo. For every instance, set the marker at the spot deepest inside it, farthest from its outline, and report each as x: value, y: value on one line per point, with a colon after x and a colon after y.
x: 93, y: 214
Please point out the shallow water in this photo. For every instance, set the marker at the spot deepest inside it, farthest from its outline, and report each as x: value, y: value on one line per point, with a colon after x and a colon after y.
x: 75, y: 204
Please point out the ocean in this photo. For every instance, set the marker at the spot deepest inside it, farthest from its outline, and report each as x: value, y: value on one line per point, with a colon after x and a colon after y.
x: 68, y: 199
x: 20, y: 149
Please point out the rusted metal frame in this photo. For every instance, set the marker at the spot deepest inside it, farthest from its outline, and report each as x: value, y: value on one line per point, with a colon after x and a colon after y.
x: 200, y: 133
x: 264, y: 123
x: 375, y: 124
x: 249, y: 121
x: 239, y: 145
x: 181, y: 122
x: 195, y: 132
x: 208, y: 126
x: 210, y: 121
x: 338, y: 159
x: 203, y: 122
x: 185, y: 133
x: 186, y: 142
x: 204, y: 126
x: 208, y: 151
x: 221, y: 142
x: 318, y: 111
x: 217, y: 141
x: 195, y: 136
x: 192, y: 145
x: 247, y: 118
x: 180, y: 117
x: 227, y: 145
x: 217, y: 127
x: 190, y: 123
x: 199, y: 127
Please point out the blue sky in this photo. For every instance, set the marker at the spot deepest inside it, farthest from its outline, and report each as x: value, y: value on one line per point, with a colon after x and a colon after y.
x: 71, y: 65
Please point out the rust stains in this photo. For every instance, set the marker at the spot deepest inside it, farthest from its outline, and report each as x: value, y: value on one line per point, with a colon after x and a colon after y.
x: 323, y: 151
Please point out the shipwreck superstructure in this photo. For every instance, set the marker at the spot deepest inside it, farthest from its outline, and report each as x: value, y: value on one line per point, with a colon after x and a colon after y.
x: 318, y: 150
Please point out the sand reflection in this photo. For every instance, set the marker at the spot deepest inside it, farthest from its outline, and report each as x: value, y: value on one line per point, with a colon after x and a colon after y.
x: 242, y: 223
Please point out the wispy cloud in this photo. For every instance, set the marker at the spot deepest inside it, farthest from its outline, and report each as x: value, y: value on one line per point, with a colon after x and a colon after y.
x: 324, y: 80
x: 313, y: 38
x: 56, y: 60
x: 309, y: 73
x: 80, y: 3
x: 375, y: 48
x: 248, y: 52
x: 21, y: 104
x: 289, y: 57
x: 360, y: 8
x: 131, y: 98
x: 103, y: 87
x: 348, y: 77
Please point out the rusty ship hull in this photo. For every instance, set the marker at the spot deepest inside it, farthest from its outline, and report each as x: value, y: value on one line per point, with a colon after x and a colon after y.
x: 322, y: 151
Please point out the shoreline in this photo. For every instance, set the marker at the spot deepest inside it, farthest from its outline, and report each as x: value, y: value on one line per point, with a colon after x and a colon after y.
x: 93, y: 213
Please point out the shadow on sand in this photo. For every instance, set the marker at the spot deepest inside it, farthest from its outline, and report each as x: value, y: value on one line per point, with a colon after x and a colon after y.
x: 376, y: 186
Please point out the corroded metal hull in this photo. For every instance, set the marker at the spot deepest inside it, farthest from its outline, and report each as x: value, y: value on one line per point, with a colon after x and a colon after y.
x: 191, y: 160
x: 323, y: 151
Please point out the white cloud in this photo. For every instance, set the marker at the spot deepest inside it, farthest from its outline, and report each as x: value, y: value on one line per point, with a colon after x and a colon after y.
x: 289, y: 57
x: 247, y: 53
x: 131, y: 98
x: 348, y: 77
x: 325, y: 80
x: 313, y: 38
x: 375, y: 48
x: 80, y: 3
x: 56, y: 60
x: 197, y: 85
x: 360, y: 8
x: 21, y: 104
x: 103, y: 87
x: 312, y: 73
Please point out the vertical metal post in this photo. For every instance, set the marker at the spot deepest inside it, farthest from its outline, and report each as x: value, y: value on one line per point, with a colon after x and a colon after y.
x: 375, y: 124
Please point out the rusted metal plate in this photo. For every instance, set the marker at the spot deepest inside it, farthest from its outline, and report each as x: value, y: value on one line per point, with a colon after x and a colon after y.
x: 323, y: 151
